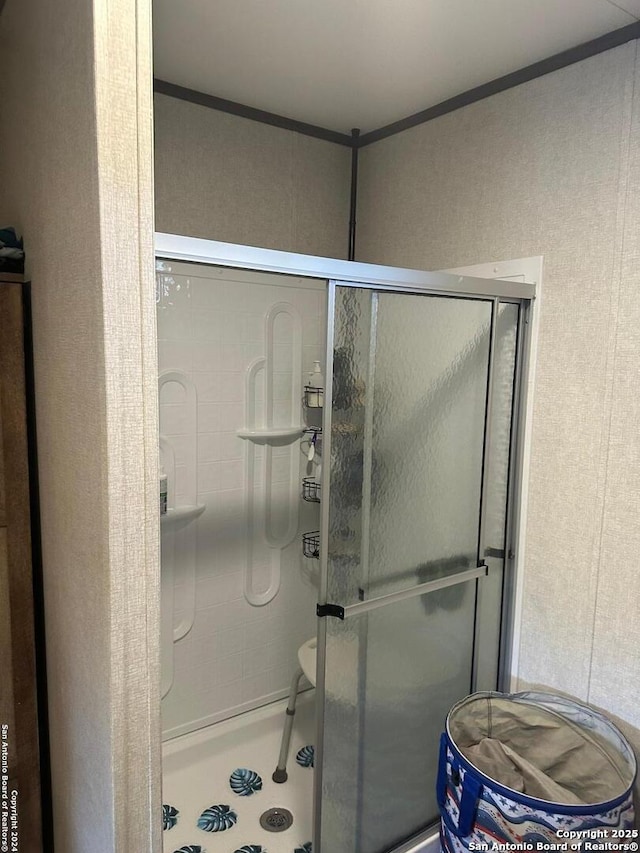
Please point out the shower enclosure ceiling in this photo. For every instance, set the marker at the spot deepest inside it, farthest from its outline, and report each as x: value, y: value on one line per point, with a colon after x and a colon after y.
x: 385, y: 500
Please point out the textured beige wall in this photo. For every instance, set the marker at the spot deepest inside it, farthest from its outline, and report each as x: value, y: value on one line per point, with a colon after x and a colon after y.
x: 550, y: 168
x: 227, y: 178
x: 77, y: 170
x: 630, y: 732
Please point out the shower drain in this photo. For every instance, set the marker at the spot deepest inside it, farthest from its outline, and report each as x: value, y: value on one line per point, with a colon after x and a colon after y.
x: 276, y: 820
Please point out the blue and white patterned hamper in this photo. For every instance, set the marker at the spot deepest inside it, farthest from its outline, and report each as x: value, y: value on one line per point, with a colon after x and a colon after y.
x: 536, y: 742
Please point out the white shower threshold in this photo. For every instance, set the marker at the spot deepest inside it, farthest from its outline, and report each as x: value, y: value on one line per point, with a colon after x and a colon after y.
x: 196, y: 775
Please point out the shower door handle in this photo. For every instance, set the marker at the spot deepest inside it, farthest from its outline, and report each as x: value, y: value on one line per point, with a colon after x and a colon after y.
x: 341, y: 612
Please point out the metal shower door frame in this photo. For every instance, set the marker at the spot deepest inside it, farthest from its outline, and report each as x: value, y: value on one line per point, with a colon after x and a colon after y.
x: 338, y: 272
x: 497, y: 292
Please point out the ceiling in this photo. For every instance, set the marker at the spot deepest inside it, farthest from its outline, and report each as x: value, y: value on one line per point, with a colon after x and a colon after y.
x: 364, y: 63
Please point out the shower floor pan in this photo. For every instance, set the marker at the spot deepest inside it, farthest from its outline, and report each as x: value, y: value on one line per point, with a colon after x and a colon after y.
x: 199, y: 782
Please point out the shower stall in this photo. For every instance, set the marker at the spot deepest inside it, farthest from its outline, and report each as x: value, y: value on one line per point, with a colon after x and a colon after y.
x: 355, y: 519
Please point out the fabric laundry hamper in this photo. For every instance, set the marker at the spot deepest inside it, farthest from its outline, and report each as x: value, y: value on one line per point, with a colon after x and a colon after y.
x: 519, y: 768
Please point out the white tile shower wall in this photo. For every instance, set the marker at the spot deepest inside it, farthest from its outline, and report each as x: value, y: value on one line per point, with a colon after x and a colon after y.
x: 211, y: 326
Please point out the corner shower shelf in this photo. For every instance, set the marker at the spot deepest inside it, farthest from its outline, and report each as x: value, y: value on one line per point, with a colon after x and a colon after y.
x: 182, y: 515
x: 311, y: 544
x: 311, y: 490
x: 313, y: 397
x: 264, y: 435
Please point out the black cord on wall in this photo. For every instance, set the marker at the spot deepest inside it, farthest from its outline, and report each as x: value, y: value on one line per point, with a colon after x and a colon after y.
x: 355, y: 133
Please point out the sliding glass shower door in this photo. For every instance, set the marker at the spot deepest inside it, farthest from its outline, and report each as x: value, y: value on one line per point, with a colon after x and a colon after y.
x: 412, y: 548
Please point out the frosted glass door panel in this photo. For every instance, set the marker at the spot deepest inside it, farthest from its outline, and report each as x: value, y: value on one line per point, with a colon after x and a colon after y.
x: 491, y: 590
x: 391, y: 676
x: 409, y: 399
x: 408, y: 410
